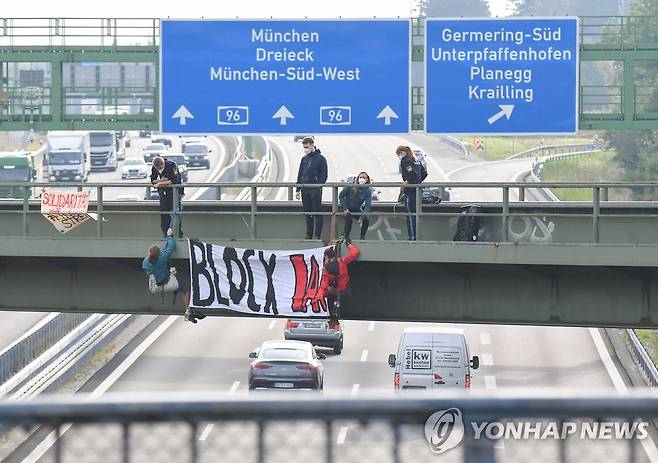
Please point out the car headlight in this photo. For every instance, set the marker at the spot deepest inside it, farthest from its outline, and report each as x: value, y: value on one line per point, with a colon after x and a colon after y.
x: 52, y: 178
x: 78, y: 178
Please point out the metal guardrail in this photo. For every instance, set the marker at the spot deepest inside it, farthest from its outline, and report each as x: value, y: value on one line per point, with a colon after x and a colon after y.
x: 474, y: 428
x: 642, y: 358
x: 33, y: 343
x: 552, y: 150
x: 27, y: 208
x: 455, y: 144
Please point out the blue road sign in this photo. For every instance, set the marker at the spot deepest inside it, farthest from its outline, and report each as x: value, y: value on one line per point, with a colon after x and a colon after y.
x: 501, y: 76
x: 254, y: 77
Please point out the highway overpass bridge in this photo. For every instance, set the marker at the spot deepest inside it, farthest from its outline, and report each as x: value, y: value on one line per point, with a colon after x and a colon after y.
x: 540, y: 263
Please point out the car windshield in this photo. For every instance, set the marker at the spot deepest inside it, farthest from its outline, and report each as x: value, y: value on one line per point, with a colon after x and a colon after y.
x: 101, y: 139
x: 14, y: 174
x: 58, y: 159
x: 179, y: 160
x: 134, y: 162
x: 155, y: 147
x: 196, y: 149
x: 284, y: 354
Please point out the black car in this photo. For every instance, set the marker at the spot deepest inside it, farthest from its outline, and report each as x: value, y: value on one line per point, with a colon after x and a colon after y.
x: 144, y: 133
x: 181, y: 163
x: 434, y: 195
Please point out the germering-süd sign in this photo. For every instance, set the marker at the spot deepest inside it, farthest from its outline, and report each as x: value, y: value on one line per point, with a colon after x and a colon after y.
x: 292, y: 76
x: 501, y: 76
x: 257, y: 282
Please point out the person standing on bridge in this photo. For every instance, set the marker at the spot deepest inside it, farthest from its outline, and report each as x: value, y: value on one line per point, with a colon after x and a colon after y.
x: 413, y: 173
x: 358, y: 201
x: 312, y: 170
x: 161, y: 277
x: 164, y: 173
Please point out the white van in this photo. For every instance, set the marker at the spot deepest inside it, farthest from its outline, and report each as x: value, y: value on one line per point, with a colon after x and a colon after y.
x: 432, y: 358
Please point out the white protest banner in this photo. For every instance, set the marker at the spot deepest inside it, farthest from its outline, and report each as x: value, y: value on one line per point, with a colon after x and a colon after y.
x: 65, y: 210
x: 64, y: 202
x: 283, y: 283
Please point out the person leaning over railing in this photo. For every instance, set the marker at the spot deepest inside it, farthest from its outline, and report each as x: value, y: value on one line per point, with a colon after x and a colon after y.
x: 357, y: 201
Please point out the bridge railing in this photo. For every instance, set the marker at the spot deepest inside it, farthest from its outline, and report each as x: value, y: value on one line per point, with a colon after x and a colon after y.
x: 500, y: 214
x: 475, y: 428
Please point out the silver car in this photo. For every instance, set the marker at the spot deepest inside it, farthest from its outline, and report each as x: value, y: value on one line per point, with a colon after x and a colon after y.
x: 286, y: 365
x: 322, y: 333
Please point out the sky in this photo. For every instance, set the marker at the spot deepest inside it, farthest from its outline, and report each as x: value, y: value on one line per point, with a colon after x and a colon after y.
x: 220, y: 8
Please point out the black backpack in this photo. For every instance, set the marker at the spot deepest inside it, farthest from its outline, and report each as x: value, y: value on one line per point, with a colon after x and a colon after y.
x: 468, y: 226
x: 420, y: 170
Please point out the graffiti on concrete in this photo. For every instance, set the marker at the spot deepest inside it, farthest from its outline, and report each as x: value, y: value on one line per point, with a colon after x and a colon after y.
x: 534, y: 229
x: 385, y: 231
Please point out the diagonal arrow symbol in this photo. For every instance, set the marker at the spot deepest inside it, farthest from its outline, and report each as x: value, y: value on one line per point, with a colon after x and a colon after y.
x: 505, y: 110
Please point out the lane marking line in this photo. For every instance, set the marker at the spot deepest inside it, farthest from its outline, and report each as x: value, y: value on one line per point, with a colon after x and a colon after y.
x: 48, y: 442
x: 364, y: 355
x: 206, y: 431
x: 371, y: 326
x: 355, y: 390
x: 490, y: 382
x: 234, y: 387
x: 271, y: 325
x: 485, y: 339
x: 487, y: 360
x: 342, y: 434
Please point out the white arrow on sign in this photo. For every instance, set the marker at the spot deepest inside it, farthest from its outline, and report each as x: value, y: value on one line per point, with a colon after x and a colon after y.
x: 505, y: 110
x: 283, y: 113
x: 182, y: 114
x: 387, y: 113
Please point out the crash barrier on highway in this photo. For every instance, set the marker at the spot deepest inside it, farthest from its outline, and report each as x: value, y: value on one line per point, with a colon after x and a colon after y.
x: 642, y: 358
x: 558, y: 150
x: 596, y: 221
x: 455, y: 144
x: 457, y: 427
x: 36, y: 341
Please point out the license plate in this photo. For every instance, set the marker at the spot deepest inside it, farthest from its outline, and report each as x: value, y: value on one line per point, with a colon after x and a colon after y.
x: 312, y: 325
x: 284, y: 385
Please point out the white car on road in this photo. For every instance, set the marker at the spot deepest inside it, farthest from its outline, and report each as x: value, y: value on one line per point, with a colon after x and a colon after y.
x: 134, y: 168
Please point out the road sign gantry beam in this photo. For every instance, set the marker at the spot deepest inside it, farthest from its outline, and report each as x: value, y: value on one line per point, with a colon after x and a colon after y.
x: 137, y: 40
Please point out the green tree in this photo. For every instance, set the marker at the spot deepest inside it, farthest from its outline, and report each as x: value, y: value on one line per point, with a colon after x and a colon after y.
x: 438, y: 8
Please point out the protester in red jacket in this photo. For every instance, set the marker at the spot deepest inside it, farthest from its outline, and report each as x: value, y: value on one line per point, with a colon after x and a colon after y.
x: 336, y: 277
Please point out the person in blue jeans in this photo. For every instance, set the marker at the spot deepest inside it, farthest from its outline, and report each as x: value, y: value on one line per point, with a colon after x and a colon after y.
x: 410, y: 176
x: 312, y: 170
x: 157, y: 264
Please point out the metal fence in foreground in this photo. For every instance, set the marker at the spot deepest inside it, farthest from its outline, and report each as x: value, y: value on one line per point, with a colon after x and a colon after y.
x: 299, y: 427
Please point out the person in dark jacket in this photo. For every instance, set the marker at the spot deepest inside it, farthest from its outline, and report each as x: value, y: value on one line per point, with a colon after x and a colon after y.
x: 165, y: 173
x: 157, y: 264
x: 312, y: 170
x: 356, y: 203
x: 410, y: 176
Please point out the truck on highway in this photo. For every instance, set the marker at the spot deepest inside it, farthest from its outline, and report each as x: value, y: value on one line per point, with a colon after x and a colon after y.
x: 69, y: 156
x: 16, y: 167
x: 103, y: 150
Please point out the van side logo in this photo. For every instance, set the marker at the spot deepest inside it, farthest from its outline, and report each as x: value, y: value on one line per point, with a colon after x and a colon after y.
x: 444, y: 430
